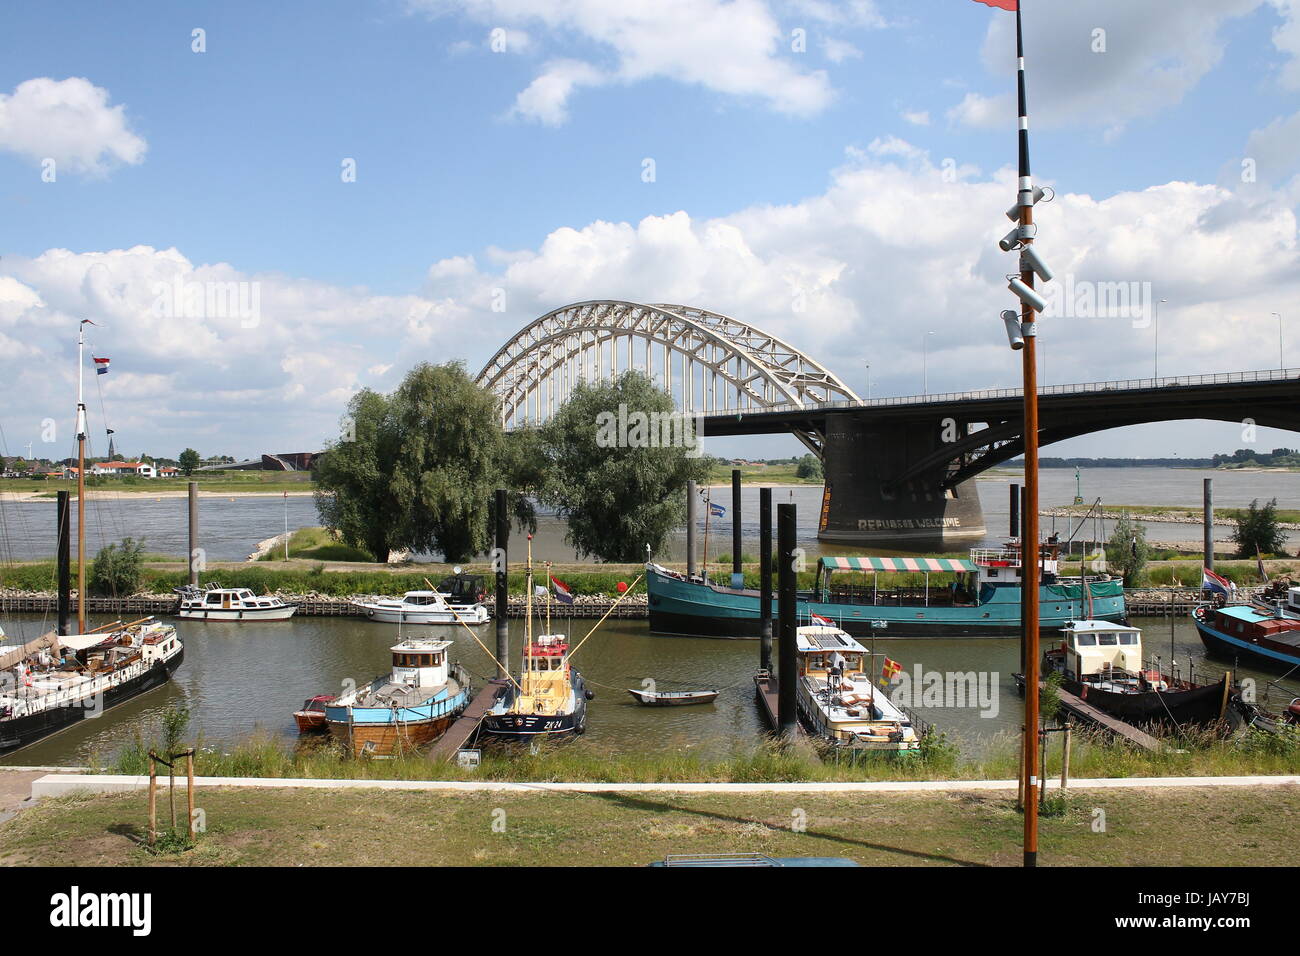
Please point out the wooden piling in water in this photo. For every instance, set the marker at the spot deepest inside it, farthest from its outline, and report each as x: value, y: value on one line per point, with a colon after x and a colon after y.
x: 765, y: 578
x: 786, y: 535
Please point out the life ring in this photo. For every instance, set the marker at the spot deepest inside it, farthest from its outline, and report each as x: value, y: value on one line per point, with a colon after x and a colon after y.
x: 1201, y: 612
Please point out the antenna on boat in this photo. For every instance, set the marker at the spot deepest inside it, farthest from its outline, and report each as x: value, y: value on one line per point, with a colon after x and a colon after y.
x: 528, y: 621
x: 81, y: 479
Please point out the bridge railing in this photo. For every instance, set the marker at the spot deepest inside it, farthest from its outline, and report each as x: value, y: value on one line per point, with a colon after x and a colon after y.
x: 1079, y: 388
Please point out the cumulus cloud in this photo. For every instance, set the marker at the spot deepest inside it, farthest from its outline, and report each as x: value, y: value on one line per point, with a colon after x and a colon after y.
x: 69, y: 121
x: 851, y: 274
x: 1104, y: 63
x: 733, y: 47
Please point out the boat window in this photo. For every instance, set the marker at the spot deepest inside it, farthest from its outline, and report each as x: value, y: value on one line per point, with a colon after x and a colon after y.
x: 1128, y: 638
x: 214, y: 598
x: 1108, y: 640
x: 1085, y: 640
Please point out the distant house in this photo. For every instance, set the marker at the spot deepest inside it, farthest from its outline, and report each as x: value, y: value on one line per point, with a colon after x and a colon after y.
x: 141, y: 469
x: 168, y: 471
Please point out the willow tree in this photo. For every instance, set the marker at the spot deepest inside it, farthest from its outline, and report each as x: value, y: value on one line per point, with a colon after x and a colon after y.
x: 618, y: 459
x: 417, y: 468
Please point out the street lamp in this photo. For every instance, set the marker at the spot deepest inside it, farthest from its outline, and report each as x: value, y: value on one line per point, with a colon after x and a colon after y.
x: 1280, y: 364
x: 925, y: 363
x: 868, y: 364
x: 1155, y: 373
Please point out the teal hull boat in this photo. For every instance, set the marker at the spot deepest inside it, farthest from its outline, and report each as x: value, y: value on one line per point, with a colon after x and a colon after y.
x: 981, y: 600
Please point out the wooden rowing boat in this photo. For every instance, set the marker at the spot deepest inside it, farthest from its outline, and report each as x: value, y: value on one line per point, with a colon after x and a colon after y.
x: 678, y: 698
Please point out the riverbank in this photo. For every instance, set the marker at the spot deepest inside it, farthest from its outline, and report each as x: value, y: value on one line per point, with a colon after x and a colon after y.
x: 322, y: 827
x: 1288, y: 518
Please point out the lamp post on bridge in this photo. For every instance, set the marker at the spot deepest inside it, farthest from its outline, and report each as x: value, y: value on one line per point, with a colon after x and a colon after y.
x: 868, y: 364
x: 925, y: 363
x: 1281, y: 365
x: 1155, y: 355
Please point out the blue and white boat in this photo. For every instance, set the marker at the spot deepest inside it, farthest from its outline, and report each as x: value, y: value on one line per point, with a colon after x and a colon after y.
x: 400, y: 711
x: 979, y: 597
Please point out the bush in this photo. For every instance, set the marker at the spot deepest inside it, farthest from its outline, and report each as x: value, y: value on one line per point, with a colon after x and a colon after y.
x: 1258, y: 531
x: 118, y: 570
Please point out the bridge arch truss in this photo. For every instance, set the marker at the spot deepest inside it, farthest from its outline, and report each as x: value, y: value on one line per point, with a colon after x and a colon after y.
x: 707, y: 361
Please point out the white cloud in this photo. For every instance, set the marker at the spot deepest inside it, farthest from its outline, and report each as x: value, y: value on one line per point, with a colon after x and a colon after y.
x: 1154, y: 53
x: 916, y: 117
x: 837, y: 51
x: 735, y: 48
x: 70, y: 122
x: 546, y: 99
x: 853, y: 274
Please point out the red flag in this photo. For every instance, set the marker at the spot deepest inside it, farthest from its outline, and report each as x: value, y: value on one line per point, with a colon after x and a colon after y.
x: 1001, y: 4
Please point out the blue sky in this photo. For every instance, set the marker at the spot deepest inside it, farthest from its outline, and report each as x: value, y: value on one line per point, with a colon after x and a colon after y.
x: 231, y: 158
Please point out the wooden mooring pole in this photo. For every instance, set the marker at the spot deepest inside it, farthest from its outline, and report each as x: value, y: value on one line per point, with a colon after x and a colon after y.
x: 787, y: 582
x: 501, y: 560
x: 737, y: 568
x: 765, y: 578
x: 194, y: 532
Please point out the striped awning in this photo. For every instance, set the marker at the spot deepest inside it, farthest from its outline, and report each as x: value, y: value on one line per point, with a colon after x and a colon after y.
x: 897, y: 564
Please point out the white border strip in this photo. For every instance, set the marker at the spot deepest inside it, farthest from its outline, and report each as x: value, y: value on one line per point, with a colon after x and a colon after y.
x: 62, y: 784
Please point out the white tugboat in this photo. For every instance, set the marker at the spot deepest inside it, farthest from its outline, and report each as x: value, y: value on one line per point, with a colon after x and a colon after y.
x: 837, y: 698
x: 212, y: 603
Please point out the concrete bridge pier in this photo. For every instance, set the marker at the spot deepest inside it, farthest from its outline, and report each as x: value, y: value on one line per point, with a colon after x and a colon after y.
x: 865, y: 504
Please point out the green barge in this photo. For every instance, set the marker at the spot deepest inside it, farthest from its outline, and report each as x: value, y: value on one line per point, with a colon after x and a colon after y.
x: 979, y: 597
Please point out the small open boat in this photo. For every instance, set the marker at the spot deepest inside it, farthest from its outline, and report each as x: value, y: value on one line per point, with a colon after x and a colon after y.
x: 311, y: 718
x: 676, y: 698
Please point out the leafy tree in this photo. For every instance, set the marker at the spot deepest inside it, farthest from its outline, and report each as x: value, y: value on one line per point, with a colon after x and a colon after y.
x: 618, y: 460
x: 418, y: 467
x: 809, y: 467
x: 188, y: 461
x: 1127, y: 549
x: 1258, y: 530
x: 354, y: 477
x: 448, y: 461
x: 118, y: 570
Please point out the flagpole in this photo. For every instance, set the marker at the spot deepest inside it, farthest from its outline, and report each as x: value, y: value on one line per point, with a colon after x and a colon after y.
x: 81, y: 483
x: 1030, y: 573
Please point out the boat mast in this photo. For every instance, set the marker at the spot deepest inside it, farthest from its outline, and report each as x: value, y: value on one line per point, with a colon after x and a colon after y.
x: 81, y: 483
x: 528, y: 625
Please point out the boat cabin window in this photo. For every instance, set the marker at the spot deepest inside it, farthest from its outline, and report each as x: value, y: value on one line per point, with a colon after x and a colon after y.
x: 417, y: 660
x: 1108, y: 640
x: 214, y: 598
x: 1128, y: 638
x: 1085, y: 640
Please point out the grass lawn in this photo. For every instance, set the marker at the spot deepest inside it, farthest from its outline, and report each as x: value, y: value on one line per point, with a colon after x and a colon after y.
x: 1183, y: 827
x: 783, y: 474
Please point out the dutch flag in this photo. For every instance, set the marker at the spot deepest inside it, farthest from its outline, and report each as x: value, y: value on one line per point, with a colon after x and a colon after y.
x: 1214, y: 582
x: 563, y: 593
x: 101, y: 365
x: 824, y: 621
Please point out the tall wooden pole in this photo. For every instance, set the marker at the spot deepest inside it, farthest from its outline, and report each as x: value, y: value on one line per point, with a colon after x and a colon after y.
x: 692, y: 501
x: 193, y: 488
x: 765, y: 578
x: 787, y: 608
x: 81, y: 487
x: 1208, y: 518
x: 502, y: 585
x: 737, y: 572
x: 1030, y: 574
x: 64, y: 546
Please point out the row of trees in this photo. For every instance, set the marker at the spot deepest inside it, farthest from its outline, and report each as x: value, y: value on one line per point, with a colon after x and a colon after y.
x: 419, y: 466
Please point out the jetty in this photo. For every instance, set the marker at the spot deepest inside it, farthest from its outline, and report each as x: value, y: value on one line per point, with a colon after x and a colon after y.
x: 1085, y: 713
x: 466, y: 726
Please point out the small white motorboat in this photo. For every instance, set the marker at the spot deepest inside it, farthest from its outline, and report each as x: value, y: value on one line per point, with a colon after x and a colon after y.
x: 211, y: 603
x: 422, y: 607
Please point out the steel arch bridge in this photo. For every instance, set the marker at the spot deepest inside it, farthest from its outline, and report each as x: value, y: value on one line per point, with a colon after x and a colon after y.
x: 706, y: 361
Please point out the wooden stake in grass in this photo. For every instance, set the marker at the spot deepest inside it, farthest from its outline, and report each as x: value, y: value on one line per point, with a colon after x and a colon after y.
x: 1065, y: 755
x: 189, y: 772
x: 153, y: 800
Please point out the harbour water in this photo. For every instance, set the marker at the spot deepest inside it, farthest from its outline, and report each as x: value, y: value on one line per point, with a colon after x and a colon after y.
x: 230, y: 527
x: 238, y: 679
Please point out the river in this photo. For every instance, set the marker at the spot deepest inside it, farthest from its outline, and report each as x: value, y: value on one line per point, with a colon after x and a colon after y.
x: 230, y: 527
x: 242, y: 678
